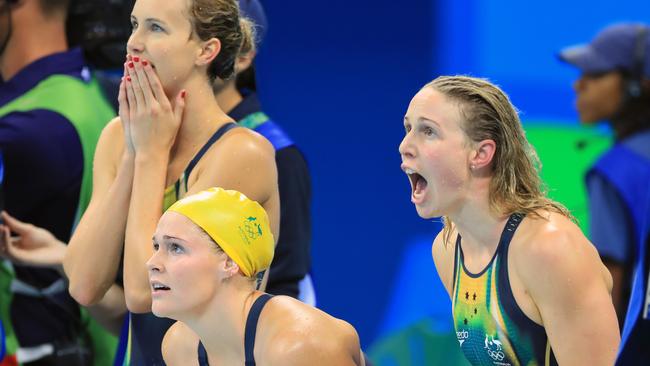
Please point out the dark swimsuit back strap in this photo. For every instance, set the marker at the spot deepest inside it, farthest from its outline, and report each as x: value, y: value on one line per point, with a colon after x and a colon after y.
x: 222, y: 130
x: 251, y: 327
x: 203, y: 355
x: 456, y: 261
x: 502, y: 247
x: 509, y: 230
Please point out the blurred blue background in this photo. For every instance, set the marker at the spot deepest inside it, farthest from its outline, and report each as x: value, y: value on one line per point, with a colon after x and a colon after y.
x: 339, y: 76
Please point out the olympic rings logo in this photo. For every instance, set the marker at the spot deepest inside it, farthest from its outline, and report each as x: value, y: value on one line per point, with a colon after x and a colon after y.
x: 496, y: 355
x: 250, y: 230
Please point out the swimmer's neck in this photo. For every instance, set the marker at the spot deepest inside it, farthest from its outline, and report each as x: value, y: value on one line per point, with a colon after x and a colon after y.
x: 201, y: 114
x: 221, y: 327
x: 479, y: 227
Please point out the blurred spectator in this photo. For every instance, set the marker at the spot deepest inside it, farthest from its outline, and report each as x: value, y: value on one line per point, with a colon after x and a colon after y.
x: 51, y: 114
x: 615, y: 87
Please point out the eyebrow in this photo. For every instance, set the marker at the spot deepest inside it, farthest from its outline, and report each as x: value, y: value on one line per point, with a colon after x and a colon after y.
x: 133, y: 17
x: 428, y: 120
x: 420, y: 119
x: 167, y: 237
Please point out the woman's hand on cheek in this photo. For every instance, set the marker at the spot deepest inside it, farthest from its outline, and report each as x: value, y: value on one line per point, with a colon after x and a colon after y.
x: 154, y: 122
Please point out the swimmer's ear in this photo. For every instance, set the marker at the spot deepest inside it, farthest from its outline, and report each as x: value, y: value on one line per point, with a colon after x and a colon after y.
x: 482, y: 154
x: 209, y: 51
x: 230, y: 267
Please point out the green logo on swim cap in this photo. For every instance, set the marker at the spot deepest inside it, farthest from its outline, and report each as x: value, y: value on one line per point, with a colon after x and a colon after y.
x: 250, y: 229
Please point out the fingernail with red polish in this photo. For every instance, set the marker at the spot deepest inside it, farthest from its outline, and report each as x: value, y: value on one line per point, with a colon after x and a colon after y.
x: 183, y: 93
x: 136, y: 58
x: 131, y: 64
x: 144, y: 63
x: 128, y: 78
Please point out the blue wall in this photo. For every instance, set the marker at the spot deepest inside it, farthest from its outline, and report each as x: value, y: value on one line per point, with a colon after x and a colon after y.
x: 515, y: 44
x: 339, y: 75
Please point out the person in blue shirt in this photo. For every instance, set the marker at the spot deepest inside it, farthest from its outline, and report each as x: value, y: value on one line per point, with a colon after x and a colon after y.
x: 614, y: 86
x: 51, y: 114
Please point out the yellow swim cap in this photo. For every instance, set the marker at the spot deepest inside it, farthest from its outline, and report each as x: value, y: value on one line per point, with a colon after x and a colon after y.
x: 239, y: 225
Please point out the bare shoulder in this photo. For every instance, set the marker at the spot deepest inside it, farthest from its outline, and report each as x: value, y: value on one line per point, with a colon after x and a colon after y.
x: 113, y: 130
x: 443, y: 258
x: 551, y: 248
x: 243, y: 160
x: 111, y: 143
x: 299, y: 334
x: 179, y: 346
x: 245, y: 140
x: 562, y: 274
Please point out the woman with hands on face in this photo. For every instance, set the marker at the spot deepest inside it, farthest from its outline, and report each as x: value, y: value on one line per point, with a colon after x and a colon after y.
x: 171, y: 139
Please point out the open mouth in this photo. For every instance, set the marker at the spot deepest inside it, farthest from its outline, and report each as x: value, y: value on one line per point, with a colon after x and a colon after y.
x: 418, y: 184
x: 157, y: 287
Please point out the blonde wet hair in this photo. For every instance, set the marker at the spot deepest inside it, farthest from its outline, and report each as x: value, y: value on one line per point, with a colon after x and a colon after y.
x: 487, y: 113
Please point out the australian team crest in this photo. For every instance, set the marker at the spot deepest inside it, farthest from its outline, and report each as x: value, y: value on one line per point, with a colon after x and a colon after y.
x: 250, y: 229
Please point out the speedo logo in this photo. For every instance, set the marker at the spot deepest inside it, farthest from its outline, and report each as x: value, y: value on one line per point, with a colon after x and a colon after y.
x: 462, y: 336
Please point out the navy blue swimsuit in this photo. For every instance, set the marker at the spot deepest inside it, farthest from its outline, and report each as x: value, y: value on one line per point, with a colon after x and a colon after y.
x: 249, y: 335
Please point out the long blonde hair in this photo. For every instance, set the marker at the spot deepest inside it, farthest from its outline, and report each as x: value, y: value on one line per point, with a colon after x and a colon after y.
x: 487, y: 113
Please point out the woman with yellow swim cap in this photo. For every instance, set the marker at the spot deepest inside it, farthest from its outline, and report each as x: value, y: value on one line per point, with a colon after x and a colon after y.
x: 208, y: 250
x: 171, y: 139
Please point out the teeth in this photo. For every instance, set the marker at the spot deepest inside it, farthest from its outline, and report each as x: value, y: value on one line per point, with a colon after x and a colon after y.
x: 409, y: 171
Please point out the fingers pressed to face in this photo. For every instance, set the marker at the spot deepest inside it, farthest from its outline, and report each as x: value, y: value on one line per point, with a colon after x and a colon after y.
x: 136, y: 85
x: 139, y: 66
x: 128, y: 86
x: 154, y: 82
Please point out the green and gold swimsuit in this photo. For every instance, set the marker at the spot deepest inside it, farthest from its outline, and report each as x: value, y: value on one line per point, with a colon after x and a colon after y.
x: 490, y: 327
